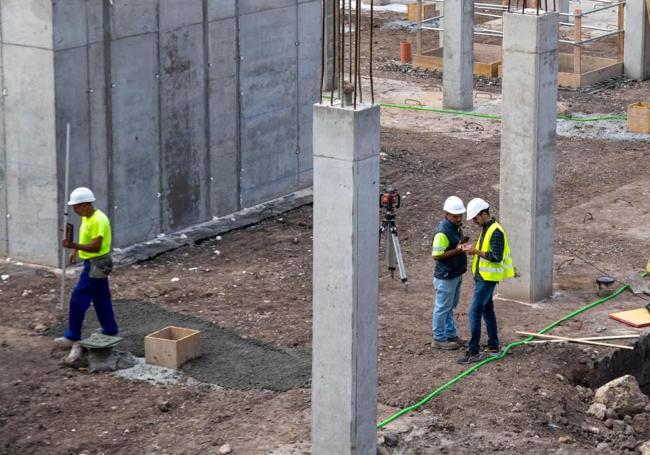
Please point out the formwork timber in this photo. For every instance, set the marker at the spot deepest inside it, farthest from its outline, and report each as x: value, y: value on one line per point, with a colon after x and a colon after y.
x: 487, y: 59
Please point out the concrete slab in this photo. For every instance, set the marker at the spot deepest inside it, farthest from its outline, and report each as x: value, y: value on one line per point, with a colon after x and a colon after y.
x: 136, y: 145
x: 256, y: 6
x: 95, y: 20
x: 175, y: 14
x: 71, y: 89
x: 183, y: 127
x: 221, y: 9
x: 27, y: 23
x: 30, y: 150
x: 223, y: 106
x: 70, y: 23
x: 269, y: 88
x: 98, y: 148
x: 309, y: 84
x: 133, y: 18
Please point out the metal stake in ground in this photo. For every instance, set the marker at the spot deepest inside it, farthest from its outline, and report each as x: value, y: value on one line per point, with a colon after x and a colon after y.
x: 390, y: 200
x: 65, y: 229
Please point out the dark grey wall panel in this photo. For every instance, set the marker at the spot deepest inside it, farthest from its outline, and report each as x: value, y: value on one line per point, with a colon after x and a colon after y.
x: 269, y: 112
x: 254, y: 6
x: 184, y: 149
x: 134, y: 17
x: 221, y: 9
x: 136, y: 147
x: 309, y: 83
x: 95, y: 15
x: 224, y: 117
x: 69, y: 23
x: 180, y: 13
x: 71, y: 87
x: 97, y: 124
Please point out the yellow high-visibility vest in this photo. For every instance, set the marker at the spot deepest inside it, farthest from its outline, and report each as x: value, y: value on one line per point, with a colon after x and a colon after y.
x: 493, y: 271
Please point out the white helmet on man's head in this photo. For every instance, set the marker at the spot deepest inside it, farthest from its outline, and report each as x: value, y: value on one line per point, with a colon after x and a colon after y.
x: 454, y: 205
x: 81, y: 195
x: 476, y: 206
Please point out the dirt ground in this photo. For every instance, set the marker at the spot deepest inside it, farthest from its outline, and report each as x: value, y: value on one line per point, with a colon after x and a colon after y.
x: 256, y: 283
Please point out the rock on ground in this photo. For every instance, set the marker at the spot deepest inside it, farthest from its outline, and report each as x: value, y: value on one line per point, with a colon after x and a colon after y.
x: 623, y: 395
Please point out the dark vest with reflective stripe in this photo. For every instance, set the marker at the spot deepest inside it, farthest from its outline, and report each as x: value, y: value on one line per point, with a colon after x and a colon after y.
x: 456, y: 265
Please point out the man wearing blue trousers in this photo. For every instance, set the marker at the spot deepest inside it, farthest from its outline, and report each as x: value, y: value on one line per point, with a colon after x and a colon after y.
x: 451, y: 263
x: 94, y: 249
x: 491, y: 264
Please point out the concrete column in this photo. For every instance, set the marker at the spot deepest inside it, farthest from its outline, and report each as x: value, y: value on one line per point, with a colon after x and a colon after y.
x: 458, y: 55
x: 530, y: 67
x: 331, y: 63
x: 636, y: 62
x: 345, y: 282
x: 30, y: 171
x: 4, y: 243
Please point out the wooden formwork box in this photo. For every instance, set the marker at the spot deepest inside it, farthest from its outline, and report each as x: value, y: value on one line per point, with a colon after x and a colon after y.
x: 593, y: 70
x: 638, y: 121
x: 487, y: 59
x: 428, y: 11
x: 172, y: 346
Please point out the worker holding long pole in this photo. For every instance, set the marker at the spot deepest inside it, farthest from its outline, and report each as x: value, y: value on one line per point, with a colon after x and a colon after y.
x: 94, y: 247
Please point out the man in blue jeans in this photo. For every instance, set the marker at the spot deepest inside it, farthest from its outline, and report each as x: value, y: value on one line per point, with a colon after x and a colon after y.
x: 451, y: 263
x: 94, y: 249
x: 492, y: 263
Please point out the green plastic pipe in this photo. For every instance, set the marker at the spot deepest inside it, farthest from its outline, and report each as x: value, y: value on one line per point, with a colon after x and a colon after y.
x: 494, y: 358
x: 498, y: 117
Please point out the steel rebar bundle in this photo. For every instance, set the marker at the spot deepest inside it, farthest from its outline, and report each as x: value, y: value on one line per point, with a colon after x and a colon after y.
x: 341, y: 37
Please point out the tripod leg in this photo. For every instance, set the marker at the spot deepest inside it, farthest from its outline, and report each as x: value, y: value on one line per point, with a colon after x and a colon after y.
x: 398, y: 255
x: 390, y: 253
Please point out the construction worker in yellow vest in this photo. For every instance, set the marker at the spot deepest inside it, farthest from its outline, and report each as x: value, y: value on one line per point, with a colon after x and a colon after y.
x: 491, y: 264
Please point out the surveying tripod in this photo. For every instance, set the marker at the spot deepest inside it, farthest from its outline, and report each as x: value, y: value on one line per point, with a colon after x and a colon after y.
x: 390, y: 200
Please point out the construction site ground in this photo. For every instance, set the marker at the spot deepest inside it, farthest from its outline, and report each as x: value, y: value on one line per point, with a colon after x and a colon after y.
x: 255, y: 285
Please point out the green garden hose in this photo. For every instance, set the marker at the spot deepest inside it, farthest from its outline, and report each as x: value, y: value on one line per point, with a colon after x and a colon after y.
x: 493, y: 358
x: 498, y: 117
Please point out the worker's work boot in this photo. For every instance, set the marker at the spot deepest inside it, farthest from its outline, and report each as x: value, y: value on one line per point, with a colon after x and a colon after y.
x: 64, y: 342
x: 458, y: 340
x: 469, y: 357
x: 446, y: 345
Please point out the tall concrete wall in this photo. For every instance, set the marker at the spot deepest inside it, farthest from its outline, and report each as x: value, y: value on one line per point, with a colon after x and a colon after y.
x: 181, y: 110
x: 28, y: 203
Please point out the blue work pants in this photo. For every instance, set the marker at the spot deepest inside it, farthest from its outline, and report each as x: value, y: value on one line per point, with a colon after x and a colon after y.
x: 482, y: 307
x: 447, y: 296
x: 90, y: 290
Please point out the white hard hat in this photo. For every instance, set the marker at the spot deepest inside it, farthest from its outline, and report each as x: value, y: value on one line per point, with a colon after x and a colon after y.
x: 81, y: 195
x: 476, y: 206
x: 454, y: 205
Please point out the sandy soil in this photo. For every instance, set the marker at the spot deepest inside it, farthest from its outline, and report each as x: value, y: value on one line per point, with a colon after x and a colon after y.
x: 258, y: 286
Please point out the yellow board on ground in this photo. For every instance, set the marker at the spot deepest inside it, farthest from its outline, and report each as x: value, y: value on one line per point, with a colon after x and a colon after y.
x: 636, y: 318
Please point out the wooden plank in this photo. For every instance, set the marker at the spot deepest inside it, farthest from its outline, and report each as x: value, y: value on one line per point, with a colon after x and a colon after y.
x: 577, y: 48
x: 601, y: 74
x: 611, y: 337
x: 621, y: 36
x: 574, y: 340
x: 636, y: 318
x: 647, y: 8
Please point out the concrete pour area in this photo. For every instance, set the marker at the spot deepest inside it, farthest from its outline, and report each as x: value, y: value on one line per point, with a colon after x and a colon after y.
x: 227, y: 360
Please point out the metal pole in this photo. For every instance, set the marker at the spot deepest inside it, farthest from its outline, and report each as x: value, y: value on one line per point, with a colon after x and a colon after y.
x: 64, y: 259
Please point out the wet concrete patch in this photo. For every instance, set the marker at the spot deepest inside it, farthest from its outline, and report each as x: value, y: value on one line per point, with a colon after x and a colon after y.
x: 227, y: 360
